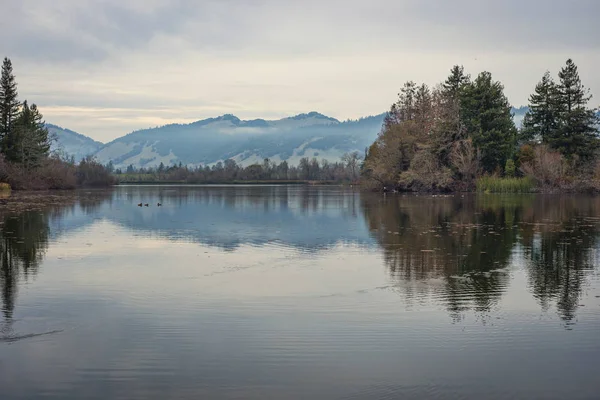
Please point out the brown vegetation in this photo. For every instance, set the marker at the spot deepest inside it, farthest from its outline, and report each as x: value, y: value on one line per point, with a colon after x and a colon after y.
x: 54, y: 173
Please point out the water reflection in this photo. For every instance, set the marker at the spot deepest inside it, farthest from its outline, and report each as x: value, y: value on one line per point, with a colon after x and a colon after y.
x: 305, y: 218
x: 461, y: 247
x: 25, y: 232
x: 560, y: 237
x: 298, y: 292
x: 471, y: 241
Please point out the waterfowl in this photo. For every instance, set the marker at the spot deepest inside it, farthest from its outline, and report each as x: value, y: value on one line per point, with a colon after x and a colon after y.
x: 146, y: 205
x: 158, y: 204
x: 139, y: 205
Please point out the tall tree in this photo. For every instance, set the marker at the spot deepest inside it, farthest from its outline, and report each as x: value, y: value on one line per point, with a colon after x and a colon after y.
x: 9, y: 103
x: 450, y: 128
x: 28, y: 142
x: 487, y: 116
x: 404, y: 108
x: 423, y: 109
x: 577, y: 133
x: 541, y: 121
x: 456, y: 81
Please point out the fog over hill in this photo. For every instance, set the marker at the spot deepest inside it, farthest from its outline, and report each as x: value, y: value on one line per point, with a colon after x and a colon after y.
x: 216, y: 139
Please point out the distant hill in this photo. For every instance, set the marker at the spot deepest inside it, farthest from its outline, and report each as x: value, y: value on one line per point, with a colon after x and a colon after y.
x: 519, y: 115
x: 212, y: 140
x: 72, y: 143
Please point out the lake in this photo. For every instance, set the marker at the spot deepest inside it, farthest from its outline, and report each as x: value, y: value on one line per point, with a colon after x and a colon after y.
x: 296, y: 292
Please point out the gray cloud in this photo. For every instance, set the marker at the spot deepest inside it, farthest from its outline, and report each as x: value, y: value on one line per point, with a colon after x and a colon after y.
x: 188, y: 59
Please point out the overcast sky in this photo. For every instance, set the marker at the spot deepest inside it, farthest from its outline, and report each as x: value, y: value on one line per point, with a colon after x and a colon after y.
x: 107, y: 67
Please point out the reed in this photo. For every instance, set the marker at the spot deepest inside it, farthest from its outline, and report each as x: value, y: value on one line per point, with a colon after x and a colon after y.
x: 491, y: 184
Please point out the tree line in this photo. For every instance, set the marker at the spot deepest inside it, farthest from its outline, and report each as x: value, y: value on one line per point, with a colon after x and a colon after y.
x: 345, y: 170
x: 445, y: 138
x: 26, y: 161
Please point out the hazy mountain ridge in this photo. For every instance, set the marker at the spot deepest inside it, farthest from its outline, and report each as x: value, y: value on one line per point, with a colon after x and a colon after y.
x: 71, y: 143
x: 216, y: 139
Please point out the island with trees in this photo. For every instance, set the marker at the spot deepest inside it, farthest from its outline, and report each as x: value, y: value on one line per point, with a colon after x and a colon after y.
x: 460, y: 136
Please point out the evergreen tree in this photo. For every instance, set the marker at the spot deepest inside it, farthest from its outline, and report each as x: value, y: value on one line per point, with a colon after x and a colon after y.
x: 450, y: 128
x: 577, y: 125
x: 28, y: 141
x: 403, y: 109
x: 9, y: 103
x: 423, y: 109
x: 486, y: 114
x: 541, y: 121
x: 456, y: 81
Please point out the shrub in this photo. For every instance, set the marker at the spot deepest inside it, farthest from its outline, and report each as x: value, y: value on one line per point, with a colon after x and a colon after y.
x: 547, y: 168
x: 465, y: 160
x: 425, y: 174
x: 91, y: 173
x: 54, y: 173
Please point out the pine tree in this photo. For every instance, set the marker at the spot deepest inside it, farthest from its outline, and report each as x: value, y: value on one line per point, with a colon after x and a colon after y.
x: 577, y: 133
x: 541, y: 121
x: 456, y: 81
x: 486, y: 114
x: 28, y: 142
x: 9, y: 103
x: 450, y: 127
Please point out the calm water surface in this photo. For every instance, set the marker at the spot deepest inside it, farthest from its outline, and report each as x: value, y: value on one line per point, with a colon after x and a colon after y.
x: 280, y: 292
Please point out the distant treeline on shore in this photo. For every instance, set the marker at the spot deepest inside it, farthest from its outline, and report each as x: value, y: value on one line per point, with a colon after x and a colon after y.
x: 308, y: 170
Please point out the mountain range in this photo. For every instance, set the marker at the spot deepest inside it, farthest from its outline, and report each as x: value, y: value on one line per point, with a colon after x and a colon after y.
x: 209, y: 141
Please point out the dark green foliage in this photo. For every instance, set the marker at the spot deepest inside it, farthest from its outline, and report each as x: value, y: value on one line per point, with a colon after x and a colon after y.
x: 9, y: 103
x: 541, y: 121
x: 456, y: 81
x: 486, y: 114
x: 577, y: 125
x: 27, y: 142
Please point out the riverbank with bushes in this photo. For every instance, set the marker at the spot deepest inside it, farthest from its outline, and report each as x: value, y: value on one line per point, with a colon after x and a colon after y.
x: 55, y: 174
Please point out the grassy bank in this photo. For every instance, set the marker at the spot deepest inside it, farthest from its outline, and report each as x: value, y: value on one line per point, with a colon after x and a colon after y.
x: 491, y: 184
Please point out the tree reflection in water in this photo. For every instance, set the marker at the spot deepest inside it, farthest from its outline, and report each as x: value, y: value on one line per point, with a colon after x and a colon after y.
x: 24, y: 239
x: 468, y: 242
